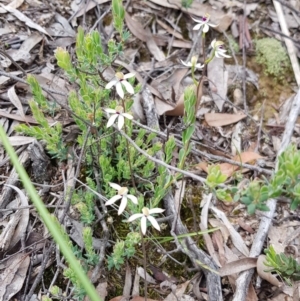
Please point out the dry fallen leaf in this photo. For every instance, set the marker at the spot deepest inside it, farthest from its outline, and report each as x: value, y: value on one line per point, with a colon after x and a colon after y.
x: 219, y: 119
x: 178, y: 294
x: 251, y: 294
x: 227, y: 168
x: 13, y: 276
x: 102, y: 290
x: 199, y: 9
x: 13, y: 4
x: 14, y: 99
x: 261, y: 268
x: 236, y: 238
x: 237, y: 266
x: 209, y: 246
x: 153, y: 48
x: 246, y: 157
x: 24, y: 19
x: 22, y: 224
x: 218, y: 82
x: 139, y: 298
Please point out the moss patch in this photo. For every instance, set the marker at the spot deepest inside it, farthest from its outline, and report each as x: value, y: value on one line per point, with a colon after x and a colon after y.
x: 273, y: 56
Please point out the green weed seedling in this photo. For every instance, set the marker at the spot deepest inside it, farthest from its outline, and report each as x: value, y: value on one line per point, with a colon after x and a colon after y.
x: 285, y: 266
x: 285, y: 182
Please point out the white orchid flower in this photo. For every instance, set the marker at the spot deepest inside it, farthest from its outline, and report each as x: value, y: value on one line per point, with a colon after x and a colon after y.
x: 218, y: 48
x: 146, y: 215
x: 117, y: 113
x: 123, y: 195
x: 192, y: 63
x: 204, y: 22
x: 120, y: 80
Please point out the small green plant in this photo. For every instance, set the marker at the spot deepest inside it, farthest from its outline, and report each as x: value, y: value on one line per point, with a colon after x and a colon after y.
x: 187, y: 3
x: 285, y: 266
x: 255, y: 197
x: 123, y: 250
x: 273, y: 56
x: 101, y: 110
x: 234, y: 46
x: 285, y: 182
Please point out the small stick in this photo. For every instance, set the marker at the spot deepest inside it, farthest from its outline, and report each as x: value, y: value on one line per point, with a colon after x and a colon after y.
x: 288, y: 43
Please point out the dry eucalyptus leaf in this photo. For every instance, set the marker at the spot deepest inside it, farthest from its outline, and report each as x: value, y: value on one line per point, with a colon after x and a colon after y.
x: 13, y: 276
x: 23, y: 53
x: 149, y: 278
x: 139, y: 298
x: 9, y: 230
x: 236, y: 238
x: 20, y: 140
x: 199, y: 9
x: 24, y: 19
x: 246, y: 157
x: 209, y: 246
x: 14, y: 99
x: 218, y: 81
x: 84, y: 7
x: 128, y: 282
x: 261, y: 268
x: 13, y: 4
x: 21, y: 227
x: 154, y: 49
x: 178, y: 293
x: 220, y: 119
x: 237, y: 266
x: 102, y: 290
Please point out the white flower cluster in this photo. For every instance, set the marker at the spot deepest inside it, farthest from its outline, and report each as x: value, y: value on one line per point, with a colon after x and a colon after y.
x: 146, y: 212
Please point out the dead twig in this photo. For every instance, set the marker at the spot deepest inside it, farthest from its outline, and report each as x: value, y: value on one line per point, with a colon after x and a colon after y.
x: 288, y: 43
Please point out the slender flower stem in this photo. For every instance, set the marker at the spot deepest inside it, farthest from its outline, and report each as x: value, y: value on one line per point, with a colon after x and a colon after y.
x: 144, y: 263
x: 193, y: 76
x: 127, y: 146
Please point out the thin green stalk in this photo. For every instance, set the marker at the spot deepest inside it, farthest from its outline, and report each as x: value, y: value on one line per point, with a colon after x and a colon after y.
x: 52, y: 227
x: 128, y: 151
x: 144, y: 263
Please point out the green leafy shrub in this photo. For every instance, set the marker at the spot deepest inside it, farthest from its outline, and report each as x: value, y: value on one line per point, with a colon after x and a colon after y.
x: 285, y: 266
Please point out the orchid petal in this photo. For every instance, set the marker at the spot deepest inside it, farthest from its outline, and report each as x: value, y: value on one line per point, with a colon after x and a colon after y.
x: 120, y: 90
x: 212, y: 25
x: 154, y: 222
x: 111, y: 83
x: 122, y: 205
x: 114, y: 186
x: 197, y: 27
x: 112, y: 120
x: 212, y: 44
x: 129, y: 75
x: 132, y: 198
x: 205, y: 28
x: 128, y: 87
x: 197, y: 20
x: 221, y: 55
x: 199, y: 66
x: 128, y: 116
x: 111, y: 111
x: 120, y: 122
x: 113, y: 200
x: 189, y: 64
x: 156, y: 210
x: 135, y: 216
x: 144, y: 224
